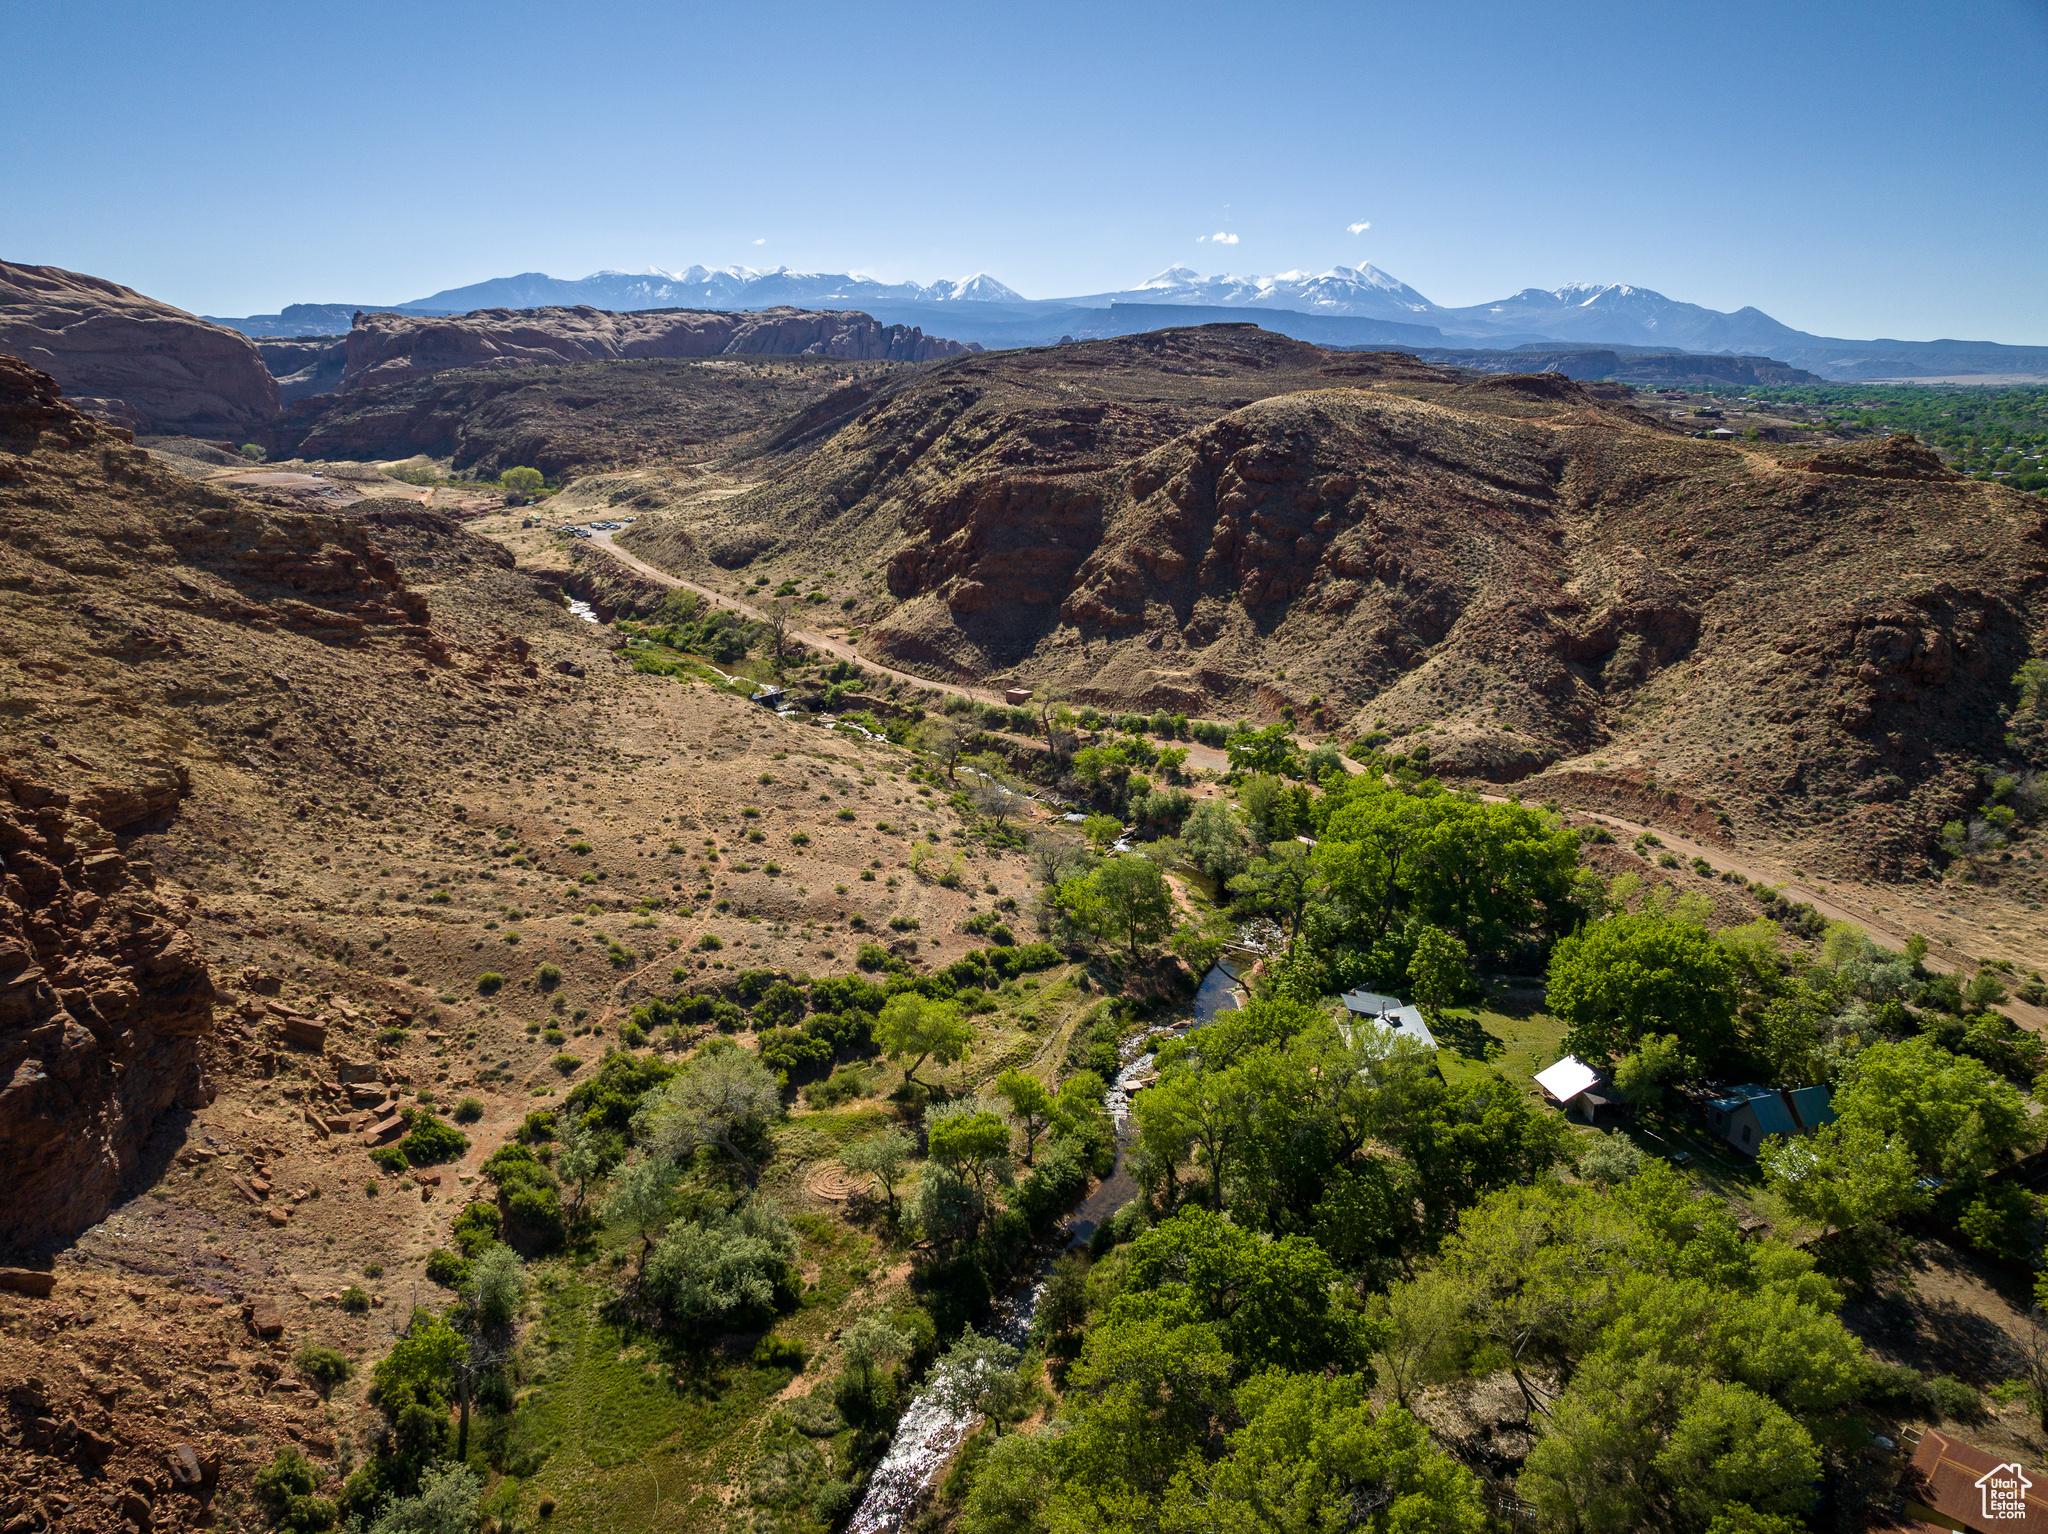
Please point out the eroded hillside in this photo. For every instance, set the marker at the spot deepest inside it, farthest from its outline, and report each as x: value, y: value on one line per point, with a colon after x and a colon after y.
x: 1524, y: 572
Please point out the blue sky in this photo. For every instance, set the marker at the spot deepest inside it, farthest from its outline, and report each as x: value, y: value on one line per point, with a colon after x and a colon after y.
x: 1852, y: 169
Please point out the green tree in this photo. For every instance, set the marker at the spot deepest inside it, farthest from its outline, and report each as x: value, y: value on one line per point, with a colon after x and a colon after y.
x: 726, y: 1270
x: 972, y: 1143
x: 883, y: 1157
x: 496, y: 1287
x: 1101, y: 830
x: 1845, y: 1176
x: 1031, y: 1107
x: 446, y: 1504
x: 1657, y: 1061
x: 1275, y: 1302
x: 1271, y: 750
x: 1308, y: 1444
x: 521, y: 481
x: 1212, y: 838
x: 920, y: 1029
x: 640, y: 1200
x: 1648, y: 972
x: 1958, y: 1120
x: 1440, y: 971
x: 1135, y: 901
x: 725, y: 1099
x: 1282, y: 885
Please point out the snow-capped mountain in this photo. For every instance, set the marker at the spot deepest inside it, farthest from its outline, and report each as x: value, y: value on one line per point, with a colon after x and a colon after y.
x: 1613, y: 312
x: 1364, y: 291
x: 979, y: 308
x: 698, y: 287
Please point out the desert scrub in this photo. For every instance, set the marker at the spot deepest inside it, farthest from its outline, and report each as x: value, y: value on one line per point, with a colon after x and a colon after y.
x: 325, y: 1367
x: 355, y: 1299
x: 468, y: 1111
x: 567, y: 1064
x: 489, y: 983
x: 430, y: 1140
x: 447, y: 1269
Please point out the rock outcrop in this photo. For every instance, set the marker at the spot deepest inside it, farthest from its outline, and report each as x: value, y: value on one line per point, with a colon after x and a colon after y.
x: 132, y: 359
x: 104, y: 1001
x: 385, y: 348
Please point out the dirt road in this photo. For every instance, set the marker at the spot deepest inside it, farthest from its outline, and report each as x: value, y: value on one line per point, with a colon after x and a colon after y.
x: 830, y: 646
x: 1835, y: 907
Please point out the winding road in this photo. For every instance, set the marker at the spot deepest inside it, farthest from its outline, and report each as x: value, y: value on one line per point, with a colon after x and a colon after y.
x: 1830, y: 903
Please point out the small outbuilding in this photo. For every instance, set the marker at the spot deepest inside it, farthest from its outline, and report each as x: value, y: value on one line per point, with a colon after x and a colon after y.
x: 1745, y: 1115
x: 1016, y: 697
x: 1574, y: 1086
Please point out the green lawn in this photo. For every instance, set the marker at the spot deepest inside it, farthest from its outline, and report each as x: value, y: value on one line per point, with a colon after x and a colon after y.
x: 1518, y: 1043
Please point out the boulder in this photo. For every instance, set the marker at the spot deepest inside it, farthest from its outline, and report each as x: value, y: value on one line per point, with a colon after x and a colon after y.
x: 133, y: 359
x: 264, y: 1317
x: 27, y: 1281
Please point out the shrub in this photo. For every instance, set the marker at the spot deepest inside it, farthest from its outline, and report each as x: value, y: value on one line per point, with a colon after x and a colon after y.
x: 567, y: 1064
x: 431, y: 1141
x: 779, y: 1353
x: 489, y: 982
x: 536, y: 1126
x: 872, y: 956
x: 476, y: 1228
x: 710, y: 942
x: 287, y: 1476
x: 354, y: 1299
x: 800, y: 839
x: 447, y: 1269
x: 391, y: 1158
x: 468, y: 1111
x: 549, y: 976
x: 253, y: 452
x: 323, y: 1366
x: 846, y: 815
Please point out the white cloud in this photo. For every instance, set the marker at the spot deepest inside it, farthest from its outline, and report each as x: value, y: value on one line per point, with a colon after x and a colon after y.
x: 1217, y: 239
x: 1360, y: 227
x: 762, y: 241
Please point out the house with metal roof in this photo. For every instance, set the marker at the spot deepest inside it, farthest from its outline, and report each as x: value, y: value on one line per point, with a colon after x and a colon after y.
x: 1389, y: 1013
x: 1745, y: 1115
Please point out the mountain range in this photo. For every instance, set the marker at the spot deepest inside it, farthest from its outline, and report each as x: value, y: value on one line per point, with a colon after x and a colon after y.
x: 1381, y: 309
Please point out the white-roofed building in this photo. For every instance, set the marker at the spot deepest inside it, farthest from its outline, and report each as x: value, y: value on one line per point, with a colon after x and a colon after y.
x: 1573, y: 1084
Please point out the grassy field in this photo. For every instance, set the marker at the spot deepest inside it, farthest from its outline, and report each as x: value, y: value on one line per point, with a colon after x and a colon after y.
x: 1505, y: 1036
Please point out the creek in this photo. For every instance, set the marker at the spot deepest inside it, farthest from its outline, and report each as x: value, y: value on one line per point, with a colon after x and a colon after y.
x: 931, y: 1427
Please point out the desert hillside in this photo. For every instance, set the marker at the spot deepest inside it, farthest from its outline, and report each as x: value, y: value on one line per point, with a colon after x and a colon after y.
x: 1522, y: 573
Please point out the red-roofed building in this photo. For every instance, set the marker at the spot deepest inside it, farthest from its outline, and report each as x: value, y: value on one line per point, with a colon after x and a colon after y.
x: 1954, y: 1485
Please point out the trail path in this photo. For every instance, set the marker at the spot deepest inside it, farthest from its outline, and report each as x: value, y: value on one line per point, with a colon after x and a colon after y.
x: 830, y: 646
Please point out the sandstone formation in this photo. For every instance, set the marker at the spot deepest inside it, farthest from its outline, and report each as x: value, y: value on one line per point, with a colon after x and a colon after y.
x: 132, y: 359
x: 104, y: 1002
x: 384, y: 348
x: 162, y: 641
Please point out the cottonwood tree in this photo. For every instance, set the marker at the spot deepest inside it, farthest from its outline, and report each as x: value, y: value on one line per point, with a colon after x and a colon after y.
x: 920, y: 1029
x: 725, y: 1099
x: 1283, y: 885
x: 1031, y: 1106
x: 1440, y: 970
x: 883, y: 1157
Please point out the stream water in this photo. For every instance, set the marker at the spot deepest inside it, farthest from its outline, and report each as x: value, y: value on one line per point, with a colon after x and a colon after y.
x: 931, y: 1427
